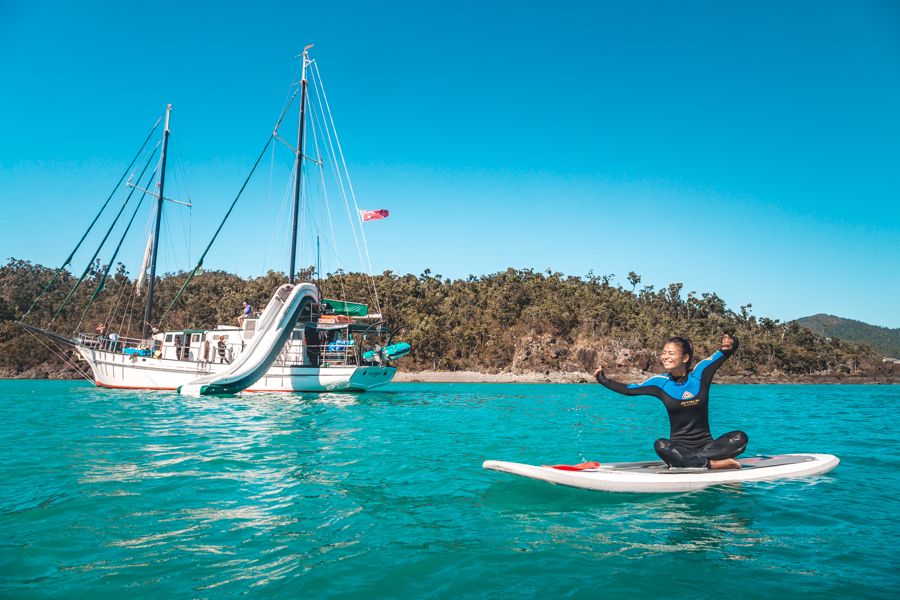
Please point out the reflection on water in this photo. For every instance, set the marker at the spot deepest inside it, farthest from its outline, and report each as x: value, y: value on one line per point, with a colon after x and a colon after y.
x: 715, y: 520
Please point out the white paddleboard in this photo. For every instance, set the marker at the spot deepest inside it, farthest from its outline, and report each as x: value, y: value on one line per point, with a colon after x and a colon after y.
x: 656, y: 477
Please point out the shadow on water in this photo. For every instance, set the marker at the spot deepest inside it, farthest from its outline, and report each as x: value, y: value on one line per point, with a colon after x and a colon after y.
x: 718, y: 521
x: 513, y: 494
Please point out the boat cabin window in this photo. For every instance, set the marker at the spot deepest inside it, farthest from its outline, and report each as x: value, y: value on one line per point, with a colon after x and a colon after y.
x: 168, y: 337
x: 195, y: 337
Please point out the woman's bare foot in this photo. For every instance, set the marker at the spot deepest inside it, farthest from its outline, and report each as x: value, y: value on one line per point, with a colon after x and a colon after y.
x: 724, y: 463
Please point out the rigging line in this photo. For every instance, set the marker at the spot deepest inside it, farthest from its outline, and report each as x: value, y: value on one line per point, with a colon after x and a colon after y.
x: 230, y: 208
x: 317, y: 218
x: 343, y: 194
x: 102, y: 283
x: 293, y: 91
x: 311, y: 214
x: 127, y: 312
x: 284, y: 208
x: 133, y: 302
x: 304, y: 209
x: 284, y: 110
x: 181, y: 185
x: 293, y: 88
x: 349, y: 185
x: 269, y: 205
x: 333, y: 240
x: 103, y: 241
x: 109, y: 313
x: 60, y: 356
x: 100, y: 286
x: 169, y: 254
x: 172, y: 249
x: 115, y: 308
x: 190, y: 234
x: 316, y: 80
x: 102, y: 208
x: 221, y: 225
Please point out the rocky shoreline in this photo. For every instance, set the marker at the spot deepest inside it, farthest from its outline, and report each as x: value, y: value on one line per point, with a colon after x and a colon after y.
x: 45, y: 371
x: 629, y: 376
x: 41, y: 371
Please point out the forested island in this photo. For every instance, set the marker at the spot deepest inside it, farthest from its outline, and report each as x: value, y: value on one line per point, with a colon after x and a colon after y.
x: 520, y: 322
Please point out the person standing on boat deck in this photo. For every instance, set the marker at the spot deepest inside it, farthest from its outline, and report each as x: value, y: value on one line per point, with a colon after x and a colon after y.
x: 685, y: 394
x: 101, y: 333
x: 222, y: 348
x: 248, y: 312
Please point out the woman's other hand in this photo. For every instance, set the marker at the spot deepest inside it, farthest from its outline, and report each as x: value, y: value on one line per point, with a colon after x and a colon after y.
x: 727, y: 342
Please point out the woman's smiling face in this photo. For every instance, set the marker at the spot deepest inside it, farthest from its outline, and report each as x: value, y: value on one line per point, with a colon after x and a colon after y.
x: 673, y: 357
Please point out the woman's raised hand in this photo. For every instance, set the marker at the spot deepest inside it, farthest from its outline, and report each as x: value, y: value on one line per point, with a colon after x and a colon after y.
x: 727, y: 342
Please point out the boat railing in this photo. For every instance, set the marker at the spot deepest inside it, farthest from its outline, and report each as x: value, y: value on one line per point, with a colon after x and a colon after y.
x: 114, y: 343
x: 337, y: 356
x: 327, y: 355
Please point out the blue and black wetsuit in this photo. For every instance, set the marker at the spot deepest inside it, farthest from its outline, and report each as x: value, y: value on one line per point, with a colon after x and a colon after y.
x: 690, y: 442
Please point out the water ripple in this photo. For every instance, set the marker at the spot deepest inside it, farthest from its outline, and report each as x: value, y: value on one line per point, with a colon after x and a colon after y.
x: 362, y: 495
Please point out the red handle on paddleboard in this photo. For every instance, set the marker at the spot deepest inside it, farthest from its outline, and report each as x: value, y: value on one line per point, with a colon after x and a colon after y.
x: 579, y: 467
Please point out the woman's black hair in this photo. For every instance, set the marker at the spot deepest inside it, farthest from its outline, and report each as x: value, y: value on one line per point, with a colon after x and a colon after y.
x: 686, y: 347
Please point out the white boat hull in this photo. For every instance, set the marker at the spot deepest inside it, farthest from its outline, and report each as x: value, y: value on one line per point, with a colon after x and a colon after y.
x: 114, y: 370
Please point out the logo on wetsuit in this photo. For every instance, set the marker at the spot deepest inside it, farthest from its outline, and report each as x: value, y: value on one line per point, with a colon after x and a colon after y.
x: 686, y: 395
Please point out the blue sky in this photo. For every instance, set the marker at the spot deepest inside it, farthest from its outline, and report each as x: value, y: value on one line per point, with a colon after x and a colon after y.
x: 746, y: 148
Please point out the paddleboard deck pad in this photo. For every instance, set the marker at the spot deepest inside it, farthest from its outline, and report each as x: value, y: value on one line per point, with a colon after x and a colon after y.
x: 657, y: 477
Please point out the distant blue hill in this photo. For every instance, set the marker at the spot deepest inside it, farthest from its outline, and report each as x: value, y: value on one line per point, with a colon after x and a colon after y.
x: 883, y: 339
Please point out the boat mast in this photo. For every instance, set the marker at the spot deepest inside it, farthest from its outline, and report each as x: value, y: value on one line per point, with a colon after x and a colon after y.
x: 159, y: 202
x: 298, y: 164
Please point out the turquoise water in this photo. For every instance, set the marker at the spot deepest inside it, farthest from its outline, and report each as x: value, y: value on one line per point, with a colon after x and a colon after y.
x: 106, y: 492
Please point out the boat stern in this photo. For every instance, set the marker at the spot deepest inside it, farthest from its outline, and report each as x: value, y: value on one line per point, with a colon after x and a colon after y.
x: 371, y: 377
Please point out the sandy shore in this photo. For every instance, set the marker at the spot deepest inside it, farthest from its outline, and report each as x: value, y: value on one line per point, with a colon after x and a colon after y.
x: 476, y: 377
x: 632, y: 376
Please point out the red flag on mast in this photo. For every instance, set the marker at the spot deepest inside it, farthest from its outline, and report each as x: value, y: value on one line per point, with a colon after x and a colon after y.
x: 373, y: 215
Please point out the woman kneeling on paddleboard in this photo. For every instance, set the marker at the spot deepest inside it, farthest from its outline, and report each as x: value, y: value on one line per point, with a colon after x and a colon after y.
x: 685, y: 394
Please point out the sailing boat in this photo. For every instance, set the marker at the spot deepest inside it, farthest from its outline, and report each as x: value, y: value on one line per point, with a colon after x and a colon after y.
x: 300, y: 342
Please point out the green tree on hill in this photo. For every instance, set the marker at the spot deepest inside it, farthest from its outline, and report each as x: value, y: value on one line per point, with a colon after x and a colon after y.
x: 517, y: 318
